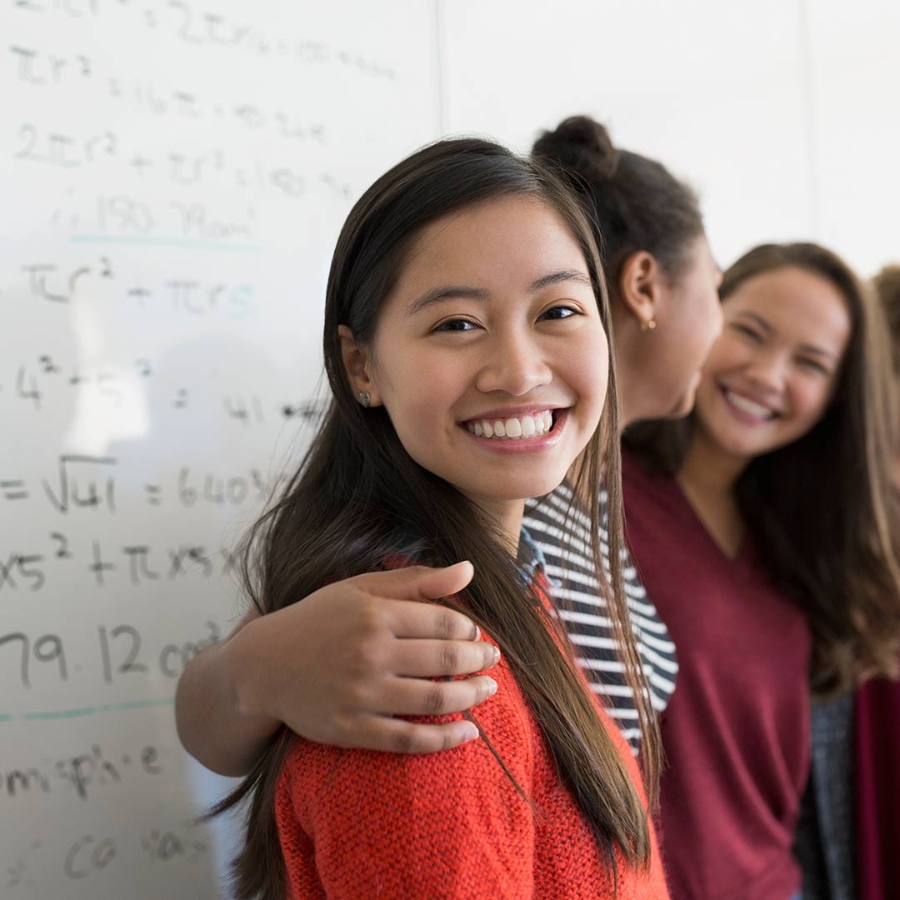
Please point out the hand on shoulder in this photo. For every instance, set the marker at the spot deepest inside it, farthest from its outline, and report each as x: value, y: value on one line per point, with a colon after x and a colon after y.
x: 340, y: 665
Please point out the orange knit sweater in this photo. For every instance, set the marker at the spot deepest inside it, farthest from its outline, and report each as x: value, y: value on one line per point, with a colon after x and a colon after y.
x: 360, y: 824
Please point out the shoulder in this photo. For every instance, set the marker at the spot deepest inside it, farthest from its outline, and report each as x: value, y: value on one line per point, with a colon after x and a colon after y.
x: 558, y: 525
x: 645, y: 489
x: 638, y: 472
x: 431, y: 825
x: 315, y: 774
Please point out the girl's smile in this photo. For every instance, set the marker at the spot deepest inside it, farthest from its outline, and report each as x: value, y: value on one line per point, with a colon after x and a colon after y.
x: 746, y: 407
x: 518, y: 431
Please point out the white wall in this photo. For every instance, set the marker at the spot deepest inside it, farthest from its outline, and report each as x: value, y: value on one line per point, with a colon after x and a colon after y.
x: 784, y: 115
x: 856, y: 127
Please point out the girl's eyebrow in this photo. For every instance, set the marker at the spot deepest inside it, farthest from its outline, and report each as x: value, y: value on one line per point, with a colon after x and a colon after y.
x: 558, y: 278
x: 448, y: 292
x: 465, y: 292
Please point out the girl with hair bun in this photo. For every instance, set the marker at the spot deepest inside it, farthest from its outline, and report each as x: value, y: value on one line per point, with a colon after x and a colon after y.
x: 661, y: 273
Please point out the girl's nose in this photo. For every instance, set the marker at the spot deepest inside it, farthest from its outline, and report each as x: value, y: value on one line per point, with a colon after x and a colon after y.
x: 514, y: 366
x: 768, y: 372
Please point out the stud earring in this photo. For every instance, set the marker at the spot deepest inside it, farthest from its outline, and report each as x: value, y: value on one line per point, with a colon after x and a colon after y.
x: 648, y: 324
x: 365, y: 398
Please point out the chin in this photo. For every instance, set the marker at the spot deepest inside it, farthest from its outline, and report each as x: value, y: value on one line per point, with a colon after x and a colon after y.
x: 514, y: 492
x: 737, y: 445
x: 683, y: 407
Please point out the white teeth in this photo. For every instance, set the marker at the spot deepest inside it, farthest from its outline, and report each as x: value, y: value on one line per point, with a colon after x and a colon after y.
x: 513, y: 428
x: 748, y: 406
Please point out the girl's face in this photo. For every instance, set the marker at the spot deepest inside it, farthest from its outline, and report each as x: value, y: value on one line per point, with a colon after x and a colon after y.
x: 689, y: 325
x: 489, y: 355
x: 771, y: 374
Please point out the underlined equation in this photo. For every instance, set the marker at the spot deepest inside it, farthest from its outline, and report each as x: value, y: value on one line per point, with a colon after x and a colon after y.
x: 112, y: 653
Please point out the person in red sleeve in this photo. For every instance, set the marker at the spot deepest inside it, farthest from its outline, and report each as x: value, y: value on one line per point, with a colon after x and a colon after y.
x: 466, y: 346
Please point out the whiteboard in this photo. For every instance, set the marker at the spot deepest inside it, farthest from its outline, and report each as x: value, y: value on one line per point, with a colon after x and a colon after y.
x: 173, y: 177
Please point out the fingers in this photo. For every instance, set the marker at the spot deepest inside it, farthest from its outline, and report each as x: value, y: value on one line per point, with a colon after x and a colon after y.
x: 428, y: 621
x: 435, y: 659
x: 419, y: 582
x: 399, y: 736
x: 420, y: 697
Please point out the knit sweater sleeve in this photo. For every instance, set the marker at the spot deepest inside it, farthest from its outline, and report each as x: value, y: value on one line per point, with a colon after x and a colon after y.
x: 359, y: 824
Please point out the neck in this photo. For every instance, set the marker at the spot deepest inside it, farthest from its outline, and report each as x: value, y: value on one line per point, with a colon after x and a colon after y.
x: 632, y: 406
x: 708, y: 478
x: 708, y: 468
x: 506, y: 517
x: 631, y: 381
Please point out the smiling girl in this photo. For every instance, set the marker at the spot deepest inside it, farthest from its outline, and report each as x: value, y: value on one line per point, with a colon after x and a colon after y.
x: 763, y: 532
x: 466, y: 349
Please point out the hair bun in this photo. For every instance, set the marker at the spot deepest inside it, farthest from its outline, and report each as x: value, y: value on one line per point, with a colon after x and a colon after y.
x: 582, y: 144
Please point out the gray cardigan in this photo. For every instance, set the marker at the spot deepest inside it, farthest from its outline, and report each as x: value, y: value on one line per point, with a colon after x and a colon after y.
x: 825, y: 841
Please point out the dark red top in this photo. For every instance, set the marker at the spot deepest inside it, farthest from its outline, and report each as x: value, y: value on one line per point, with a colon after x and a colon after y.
x: 736, y: 732
x: 878, y: 790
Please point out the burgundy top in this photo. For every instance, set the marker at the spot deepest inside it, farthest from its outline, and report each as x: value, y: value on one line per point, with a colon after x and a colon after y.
x: 737, y: 730
x: 878, y: 790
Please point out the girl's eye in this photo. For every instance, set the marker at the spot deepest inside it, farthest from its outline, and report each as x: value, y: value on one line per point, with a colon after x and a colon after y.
x: 560, y: 312
x: 454, y: 325
x: 747, y: 332
x: 814, y: 365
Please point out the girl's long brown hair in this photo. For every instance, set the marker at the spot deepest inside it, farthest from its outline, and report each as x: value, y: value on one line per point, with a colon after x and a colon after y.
x: 822, y: 510
x: 358, y: 496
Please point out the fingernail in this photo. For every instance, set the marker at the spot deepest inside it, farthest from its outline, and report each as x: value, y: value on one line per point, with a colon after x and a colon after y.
x: 496, y: 655
x: 470, y: 732
x: 492, y: 687
x: 477, y: 634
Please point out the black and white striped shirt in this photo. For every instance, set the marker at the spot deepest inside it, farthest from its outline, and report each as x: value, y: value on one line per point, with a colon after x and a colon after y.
x: 563, y: 537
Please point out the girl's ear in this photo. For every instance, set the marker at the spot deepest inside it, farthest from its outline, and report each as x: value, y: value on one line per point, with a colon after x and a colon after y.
x: 640, y: 287
x: 358, y: 366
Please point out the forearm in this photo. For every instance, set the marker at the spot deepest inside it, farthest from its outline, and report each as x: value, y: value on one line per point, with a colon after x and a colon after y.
x: 213, y: 720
